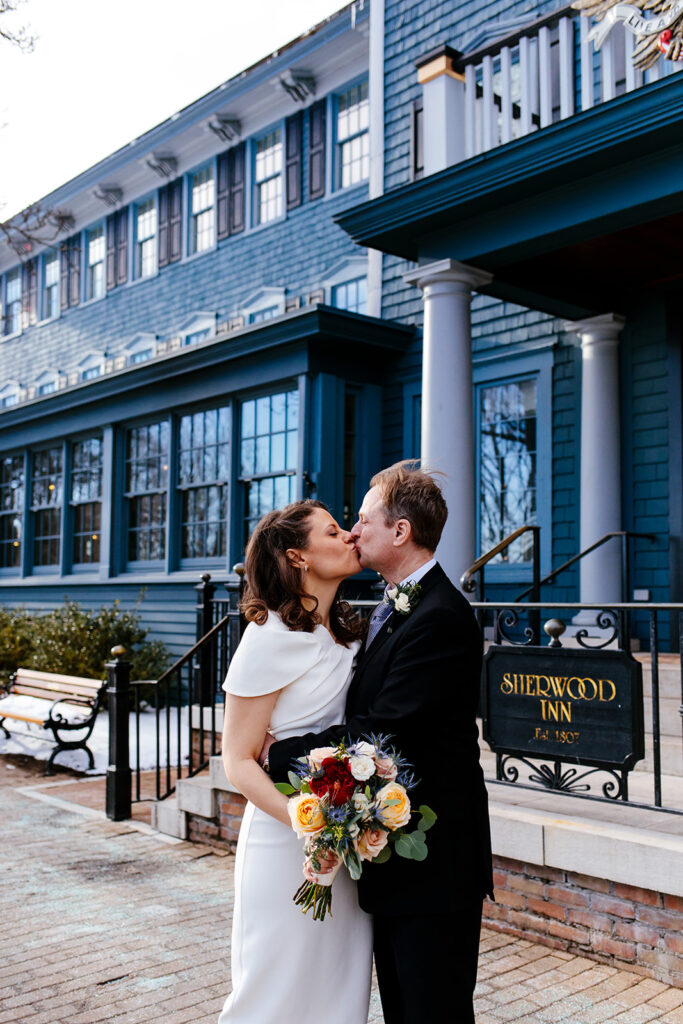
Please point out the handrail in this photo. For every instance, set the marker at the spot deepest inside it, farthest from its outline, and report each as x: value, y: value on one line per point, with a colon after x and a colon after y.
x: 550, y: 578
x: 183, y: 660
x: 532, y: 28
x: 466, y: 580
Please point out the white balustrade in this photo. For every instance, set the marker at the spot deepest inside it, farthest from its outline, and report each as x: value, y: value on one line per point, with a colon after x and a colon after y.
x: 537, y: 79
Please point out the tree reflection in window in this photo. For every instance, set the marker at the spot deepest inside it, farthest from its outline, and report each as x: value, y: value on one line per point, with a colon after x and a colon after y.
x: 269, y: 454
x: 507, y: 465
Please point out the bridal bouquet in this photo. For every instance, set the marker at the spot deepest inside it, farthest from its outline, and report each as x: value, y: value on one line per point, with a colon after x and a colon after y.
x: 350, y: 803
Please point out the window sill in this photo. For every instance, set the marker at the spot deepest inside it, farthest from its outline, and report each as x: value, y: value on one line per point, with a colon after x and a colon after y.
x: 92, y: 302
x: 12, y: 336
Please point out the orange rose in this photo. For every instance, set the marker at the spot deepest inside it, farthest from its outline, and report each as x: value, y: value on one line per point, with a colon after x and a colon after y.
x: 306, y: 816
x: 395, y: 815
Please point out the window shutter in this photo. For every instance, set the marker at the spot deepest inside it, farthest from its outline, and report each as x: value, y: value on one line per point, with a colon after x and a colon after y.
x: 293, y: 154
x: 163, y: 225
x: 111, y: 251
x: 122, y: 246
x: 236, y: 176
x: 75, y: 270
x: 223, y: 196
x: 316, y: 159
x: 64, y: 276
x: 175, y: 220
x: 29, y: 293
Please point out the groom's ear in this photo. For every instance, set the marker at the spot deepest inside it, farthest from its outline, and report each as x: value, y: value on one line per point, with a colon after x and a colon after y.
x: 403, y: 532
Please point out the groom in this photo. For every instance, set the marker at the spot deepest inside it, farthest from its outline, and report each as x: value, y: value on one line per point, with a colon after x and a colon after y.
x: 417, y: 679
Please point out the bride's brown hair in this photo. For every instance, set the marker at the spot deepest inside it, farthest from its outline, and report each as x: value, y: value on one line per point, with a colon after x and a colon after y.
x: 273, y: 583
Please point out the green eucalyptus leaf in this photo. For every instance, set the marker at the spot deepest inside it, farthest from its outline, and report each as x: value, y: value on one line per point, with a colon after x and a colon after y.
x: 294, y: 781
x: 412, y: 846
x: 428, y: 818
x: 305, y: 788
x: 354, y: 864
x: 382, y: 856
x: 284, y: 787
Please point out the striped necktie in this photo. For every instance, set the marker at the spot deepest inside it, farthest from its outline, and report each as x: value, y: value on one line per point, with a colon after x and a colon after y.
x: 378, y: 618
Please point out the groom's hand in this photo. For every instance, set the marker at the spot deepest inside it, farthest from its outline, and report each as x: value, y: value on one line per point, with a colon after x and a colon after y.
x: 267, y: 744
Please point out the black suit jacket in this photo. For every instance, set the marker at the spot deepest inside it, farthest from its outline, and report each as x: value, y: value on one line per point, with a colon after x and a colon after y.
x: 419, y: 682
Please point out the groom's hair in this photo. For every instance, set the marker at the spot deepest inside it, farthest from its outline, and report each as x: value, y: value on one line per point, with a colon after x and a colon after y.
x: 411, y: 493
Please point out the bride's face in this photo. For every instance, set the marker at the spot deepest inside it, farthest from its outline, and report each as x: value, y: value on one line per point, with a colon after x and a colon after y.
x: 329, y: 554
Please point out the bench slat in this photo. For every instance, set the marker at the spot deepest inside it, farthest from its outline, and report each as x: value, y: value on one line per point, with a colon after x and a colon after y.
x: 28, y: 674
x: 51, y: 695
x: 19, y: 717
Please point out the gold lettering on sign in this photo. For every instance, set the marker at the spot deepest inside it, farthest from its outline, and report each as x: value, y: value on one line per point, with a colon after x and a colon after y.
x: 607, y: 682
x: 556, y: 710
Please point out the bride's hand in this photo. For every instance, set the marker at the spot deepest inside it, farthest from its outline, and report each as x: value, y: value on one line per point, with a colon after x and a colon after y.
x: 267, y: 744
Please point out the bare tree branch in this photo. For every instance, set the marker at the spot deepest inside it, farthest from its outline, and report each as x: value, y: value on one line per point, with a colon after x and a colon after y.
x: 20, y: 37
x: 33, y: 227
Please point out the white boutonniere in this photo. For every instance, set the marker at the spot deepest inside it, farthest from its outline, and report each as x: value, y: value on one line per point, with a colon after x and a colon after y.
x: 403, y: 597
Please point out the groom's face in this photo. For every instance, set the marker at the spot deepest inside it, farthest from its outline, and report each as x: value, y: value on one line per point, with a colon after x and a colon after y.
x: 374, y: 540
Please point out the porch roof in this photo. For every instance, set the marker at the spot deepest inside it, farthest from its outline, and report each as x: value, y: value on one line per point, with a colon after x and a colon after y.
x: 570, y: 220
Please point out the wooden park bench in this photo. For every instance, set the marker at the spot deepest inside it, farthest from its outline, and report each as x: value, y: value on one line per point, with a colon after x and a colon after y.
x: 63, y: 704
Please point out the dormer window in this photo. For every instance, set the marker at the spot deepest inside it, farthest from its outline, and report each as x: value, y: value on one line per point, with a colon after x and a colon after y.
x: 263, y: 305
x: 140, y: 349
x: 196, y: 328
x: 346, y: 286
x: 92, y: 366
x: 9, y: 395
x: 46, y: 384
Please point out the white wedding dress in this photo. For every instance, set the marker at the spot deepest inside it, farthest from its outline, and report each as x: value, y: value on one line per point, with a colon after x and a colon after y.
x: 286, y: 967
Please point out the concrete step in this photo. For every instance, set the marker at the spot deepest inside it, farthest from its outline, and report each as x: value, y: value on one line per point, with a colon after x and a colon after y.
x: 196, y: 796
x: 219, y: 780
x: 168, y: 819
x: 671, y: 756
x: 669, y: 718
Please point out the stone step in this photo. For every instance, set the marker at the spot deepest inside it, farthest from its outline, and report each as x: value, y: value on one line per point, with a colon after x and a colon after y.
x: 669, y: 718
x: 169, y: 819
x: 197, y: 796
x: 219, y: 780
x: 671, y: 756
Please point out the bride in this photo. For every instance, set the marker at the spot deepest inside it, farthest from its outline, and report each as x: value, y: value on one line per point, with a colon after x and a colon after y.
x: 290, y: 675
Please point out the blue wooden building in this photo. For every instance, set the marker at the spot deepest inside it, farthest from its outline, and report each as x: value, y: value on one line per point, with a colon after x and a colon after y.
x: 421, y: 228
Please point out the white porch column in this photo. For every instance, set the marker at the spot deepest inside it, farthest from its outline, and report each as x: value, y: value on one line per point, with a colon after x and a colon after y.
x: 443, y: 109
x: 600, y: 572
x: 447, y: 407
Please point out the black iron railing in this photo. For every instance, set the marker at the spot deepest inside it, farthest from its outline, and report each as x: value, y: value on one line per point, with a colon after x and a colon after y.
x: 187, y: 699
x: 512, y: 623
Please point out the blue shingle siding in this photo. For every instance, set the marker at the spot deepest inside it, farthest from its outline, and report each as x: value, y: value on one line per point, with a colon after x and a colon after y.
x: 295, y: 254
x: 566, y: 429
x: 167, y: 610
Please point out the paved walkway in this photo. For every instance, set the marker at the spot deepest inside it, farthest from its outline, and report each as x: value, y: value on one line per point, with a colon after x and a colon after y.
x: 108, y: 922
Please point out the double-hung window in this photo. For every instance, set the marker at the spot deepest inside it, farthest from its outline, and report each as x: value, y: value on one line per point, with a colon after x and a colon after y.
x: 351, y: 295
x: 96, y: 255
x: 353, y: 138
x: 51, y: 286
x: 147, y: 459
x: 269, y: 446
x: 202, y: 212
x: 86, y: 500
x: 13, y: 302
x: 203, y: 476
x: 268, y: 177
x: 11, y: 510
x: 146, y: 239
x: 46, y: 506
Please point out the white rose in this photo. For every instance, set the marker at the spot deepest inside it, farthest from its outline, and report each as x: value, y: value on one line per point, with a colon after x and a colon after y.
x: 354, y: 830
x: 318, y: 755
x: 363, y: 748
x: 392, y: 592
x: 402, y: 603
x: 362, y: 767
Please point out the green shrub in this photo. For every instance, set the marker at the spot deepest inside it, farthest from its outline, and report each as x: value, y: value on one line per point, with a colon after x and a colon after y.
x: 77, y: 642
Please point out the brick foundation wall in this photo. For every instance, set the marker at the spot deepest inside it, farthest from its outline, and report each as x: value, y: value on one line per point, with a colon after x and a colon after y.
x: 603, y: 920
x: 222, y: 831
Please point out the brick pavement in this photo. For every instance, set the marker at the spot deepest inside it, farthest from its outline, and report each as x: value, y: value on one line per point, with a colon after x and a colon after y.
x: 103, y: 922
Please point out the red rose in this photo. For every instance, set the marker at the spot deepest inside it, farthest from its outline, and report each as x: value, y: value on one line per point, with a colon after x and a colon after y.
x: 336, y: 780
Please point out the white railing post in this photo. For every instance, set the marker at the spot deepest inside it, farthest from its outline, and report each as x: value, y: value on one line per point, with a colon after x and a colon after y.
x: 586, y: 64
x: 490, y: 115
x: 566, y: 47
x: 505, y: 95
x: 545, y: 78
x: 607, y: 69
x: 471, y: 147
x: 443, y: 116
x: 526, y: 92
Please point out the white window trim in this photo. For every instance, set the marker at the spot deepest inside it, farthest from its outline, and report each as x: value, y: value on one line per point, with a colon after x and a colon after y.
x: 348, y: 270
x: 199, y: 321
x: 90, y: 361
x: 264, y: 298
x: 140, y: 343
x: 10, y: 387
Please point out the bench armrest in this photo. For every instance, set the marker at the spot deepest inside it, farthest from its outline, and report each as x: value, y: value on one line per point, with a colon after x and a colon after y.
x: 64, y: 723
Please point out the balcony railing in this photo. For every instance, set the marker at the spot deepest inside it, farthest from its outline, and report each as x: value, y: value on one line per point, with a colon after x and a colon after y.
x: 543, y: 74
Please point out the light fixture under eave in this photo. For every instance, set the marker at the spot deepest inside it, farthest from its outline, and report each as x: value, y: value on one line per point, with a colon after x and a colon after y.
x: 228, y: 129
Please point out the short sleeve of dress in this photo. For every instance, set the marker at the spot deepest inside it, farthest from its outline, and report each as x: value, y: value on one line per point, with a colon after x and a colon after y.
x: 270, y: 657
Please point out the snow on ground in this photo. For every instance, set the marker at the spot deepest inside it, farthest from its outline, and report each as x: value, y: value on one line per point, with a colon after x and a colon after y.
x: 37, y: 742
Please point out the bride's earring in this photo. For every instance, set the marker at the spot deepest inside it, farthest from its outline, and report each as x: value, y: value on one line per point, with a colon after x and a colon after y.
x: 305, y: 567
